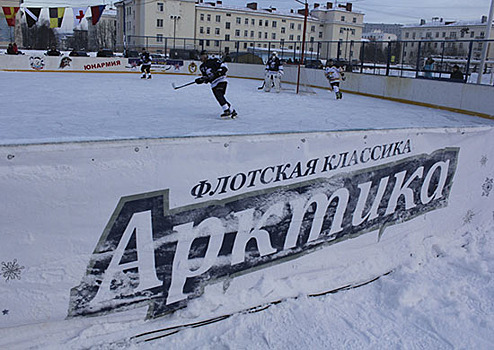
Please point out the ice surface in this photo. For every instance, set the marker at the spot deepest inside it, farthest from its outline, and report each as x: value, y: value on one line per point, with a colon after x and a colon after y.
x: 56, y: 107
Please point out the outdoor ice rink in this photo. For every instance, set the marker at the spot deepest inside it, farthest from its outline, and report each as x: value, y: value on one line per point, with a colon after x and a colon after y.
x: 440, y: 299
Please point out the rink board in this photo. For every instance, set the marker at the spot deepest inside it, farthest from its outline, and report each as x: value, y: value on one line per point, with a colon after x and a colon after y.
x: 153, y: 227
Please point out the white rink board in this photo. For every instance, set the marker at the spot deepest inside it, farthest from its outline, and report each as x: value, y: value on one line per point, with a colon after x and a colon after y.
x: 39, y: 62
x: 58, y: 199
